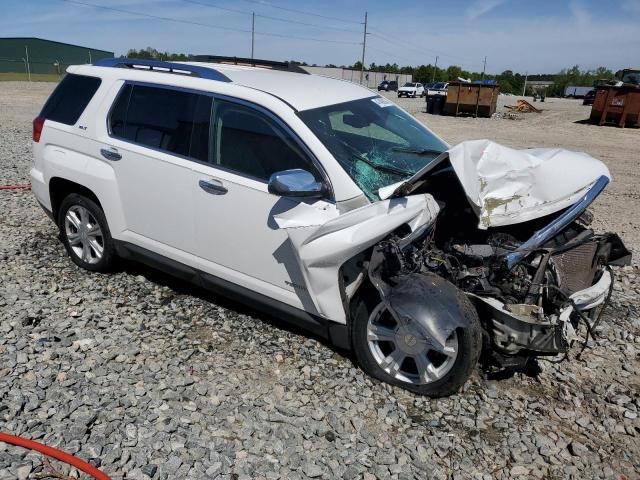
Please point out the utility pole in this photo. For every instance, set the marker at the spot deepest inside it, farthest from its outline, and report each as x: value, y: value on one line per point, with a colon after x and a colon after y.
x: 484, y: 67
x: 524, y: 89
x: 364, y: 46
x: 433, y: 77
x: 253, y: 32
x: 26, y: 50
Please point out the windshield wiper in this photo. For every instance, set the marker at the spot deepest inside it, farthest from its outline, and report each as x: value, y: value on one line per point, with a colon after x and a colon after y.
x: 387, y: 168
x: 417, y: 150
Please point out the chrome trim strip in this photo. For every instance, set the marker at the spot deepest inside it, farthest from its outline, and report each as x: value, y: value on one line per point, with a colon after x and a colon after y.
x: 545, y: 234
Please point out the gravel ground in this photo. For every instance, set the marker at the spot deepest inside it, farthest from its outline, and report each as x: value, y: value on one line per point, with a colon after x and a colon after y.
x: 150, y: 378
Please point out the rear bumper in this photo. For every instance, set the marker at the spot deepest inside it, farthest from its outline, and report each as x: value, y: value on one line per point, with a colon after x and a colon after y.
x: 40, y: 189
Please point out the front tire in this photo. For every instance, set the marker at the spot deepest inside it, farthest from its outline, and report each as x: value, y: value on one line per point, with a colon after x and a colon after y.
x: 85, y: 234
x: 396, y: 355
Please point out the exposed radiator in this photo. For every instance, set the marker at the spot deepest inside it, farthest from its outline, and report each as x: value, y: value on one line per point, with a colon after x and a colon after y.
x: 576, y: 268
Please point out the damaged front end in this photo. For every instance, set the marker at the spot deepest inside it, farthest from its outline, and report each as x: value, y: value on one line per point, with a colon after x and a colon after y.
x: 536, y: 283
x: 481, y: 226
x: 533, y: 305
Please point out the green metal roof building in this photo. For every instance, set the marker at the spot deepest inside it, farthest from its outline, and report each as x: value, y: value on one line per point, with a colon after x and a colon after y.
x: 39, y: 56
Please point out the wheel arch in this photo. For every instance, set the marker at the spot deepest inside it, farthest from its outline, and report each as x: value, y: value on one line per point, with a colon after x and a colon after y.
x: 60, y: 188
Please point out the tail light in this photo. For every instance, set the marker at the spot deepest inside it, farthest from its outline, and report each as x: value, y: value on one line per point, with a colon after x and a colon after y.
x: 38, y: 124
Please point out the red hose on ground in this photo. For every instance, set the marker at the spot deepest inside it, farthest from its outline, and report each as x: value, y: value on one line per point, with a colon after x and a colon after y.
x: 24, y: 186
x: 54, y: 453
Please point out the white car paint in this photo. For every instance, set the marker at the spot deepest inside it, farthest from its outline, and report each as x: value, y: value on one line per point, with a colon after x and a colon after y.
x: 507, y: 186
x: 324, y: 240
x: 417, y: 90
x: 141, y: 193
x: 302, y: 92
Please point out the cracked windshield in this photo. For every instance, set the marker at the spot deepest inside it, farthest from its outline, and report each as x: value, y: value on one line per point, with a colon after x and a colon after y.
x: 375, y: 142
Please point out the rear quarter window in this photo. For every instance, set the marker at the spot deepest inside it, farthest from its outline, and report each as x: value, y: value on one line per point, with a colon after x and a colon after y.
x: 70, y: 98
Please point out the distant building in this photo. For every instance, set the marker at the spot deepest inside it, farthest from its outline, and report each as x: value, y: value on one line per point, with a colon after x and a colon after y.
x: 39, y: 56
x: 369, y: 78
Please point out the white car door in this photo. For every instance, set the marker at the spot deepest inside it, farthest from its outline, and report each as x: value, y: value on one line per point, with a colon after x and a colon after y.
x: 235, y: 229
x: 151, y: 145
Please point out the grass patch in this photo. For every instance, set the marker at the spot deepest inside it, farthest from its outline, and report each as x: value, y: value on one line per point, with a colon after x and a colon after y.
x: 35, y: 77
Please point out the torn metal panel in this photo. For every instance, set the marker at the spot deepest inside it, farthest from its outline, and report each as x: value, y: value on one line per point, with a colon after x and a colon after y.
x: 323, y: 241
x: 507, y: 186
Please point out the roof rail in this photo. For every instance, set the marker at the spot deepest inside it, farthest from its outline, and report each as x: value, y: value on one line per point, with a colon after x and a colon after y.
x: 163, y: 67
x: 250, y: 62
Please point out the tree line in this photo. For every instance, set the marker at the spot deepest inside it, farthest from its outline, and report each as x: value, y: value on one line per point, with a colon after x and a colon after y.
x: 508, y: 81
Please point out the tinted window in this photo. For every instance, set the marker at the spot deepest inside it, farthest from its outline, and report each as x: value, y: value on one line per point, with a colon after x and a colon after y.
x: 251, y: 143
x: 70, y: 98
x: 165, y: 119
x: 119, y: 112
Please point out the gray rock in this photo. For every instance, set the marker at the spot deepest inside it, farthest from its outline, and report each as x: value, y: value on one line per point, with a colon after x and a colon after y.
x: 577, y: 449
x: 312, y: 470
x: 150, y: 470
x: 23, y: 471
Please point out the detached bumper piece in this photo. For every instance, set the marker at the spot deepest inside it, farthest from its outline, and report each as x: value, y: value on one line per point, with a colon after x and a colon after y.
x: 547, y: 323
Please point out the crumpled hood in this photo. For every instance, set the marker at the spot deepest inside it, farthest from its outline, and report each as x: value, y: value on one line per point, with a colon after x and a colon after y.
x: 507, y: 186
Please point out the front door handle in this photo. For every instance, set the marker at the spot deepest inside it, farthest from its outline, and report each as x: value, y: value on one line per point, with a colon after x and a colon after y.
x: 213, y: 186
x: 110, y: 153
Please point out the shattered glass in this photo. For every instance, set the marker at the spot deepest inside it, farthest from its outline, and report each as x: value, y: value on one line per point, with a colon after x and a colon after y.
x: 376, y: 142
x: 370, y: 179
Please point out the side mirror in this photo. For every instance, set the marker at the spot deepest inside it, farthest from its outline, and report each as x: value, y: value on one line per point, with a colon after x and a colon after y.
x: 295, y: 183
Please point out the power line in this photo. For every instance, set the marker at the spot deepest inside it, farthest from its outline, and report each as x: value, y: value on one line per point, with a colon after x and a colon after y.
x: 157, y: 17
x: 421, y: 50
x: 301, y: 12
x: 268, y: 17
x: 392, y: 55
x: 207, y: 25
x: 321, y: 40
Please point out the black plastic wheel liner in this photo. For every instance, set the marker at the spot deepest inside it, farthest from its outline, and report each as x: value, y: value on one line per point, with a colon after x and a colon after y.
x: 427, y: 299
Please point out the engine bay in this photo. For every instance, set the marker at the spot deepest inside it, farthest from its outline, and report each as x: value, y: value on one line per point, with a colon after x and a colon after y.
x: 533, y: 299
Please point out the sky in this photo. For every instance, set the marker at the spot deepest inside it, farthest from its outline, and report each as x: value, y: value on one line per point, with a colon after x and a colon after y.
x: 544, y: 36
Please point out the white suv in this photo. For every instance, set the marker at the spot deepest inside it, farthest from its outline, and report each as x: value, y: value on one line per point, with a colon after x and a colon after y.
x: 318, y: 200
x: 439, y: 89
x: 411, y: 89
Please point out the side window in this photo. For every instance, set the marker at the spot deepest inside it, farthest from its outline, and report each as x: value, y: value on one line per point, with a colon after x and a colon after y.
x: 70, y: 98
x: 119, y: 112
x: 251, y: 143
x: 165, y: 119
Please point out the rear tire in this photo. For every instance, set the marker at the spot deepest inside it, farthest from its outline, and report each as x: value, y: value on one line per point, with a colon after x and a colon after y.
x: 447, y: 378
x: 85, y: 234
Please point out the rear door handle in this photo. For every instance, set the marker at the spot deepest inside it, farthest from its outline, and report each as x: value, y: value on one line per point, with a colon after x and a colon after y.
x: 213, y: 186
x: 110, y: 153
